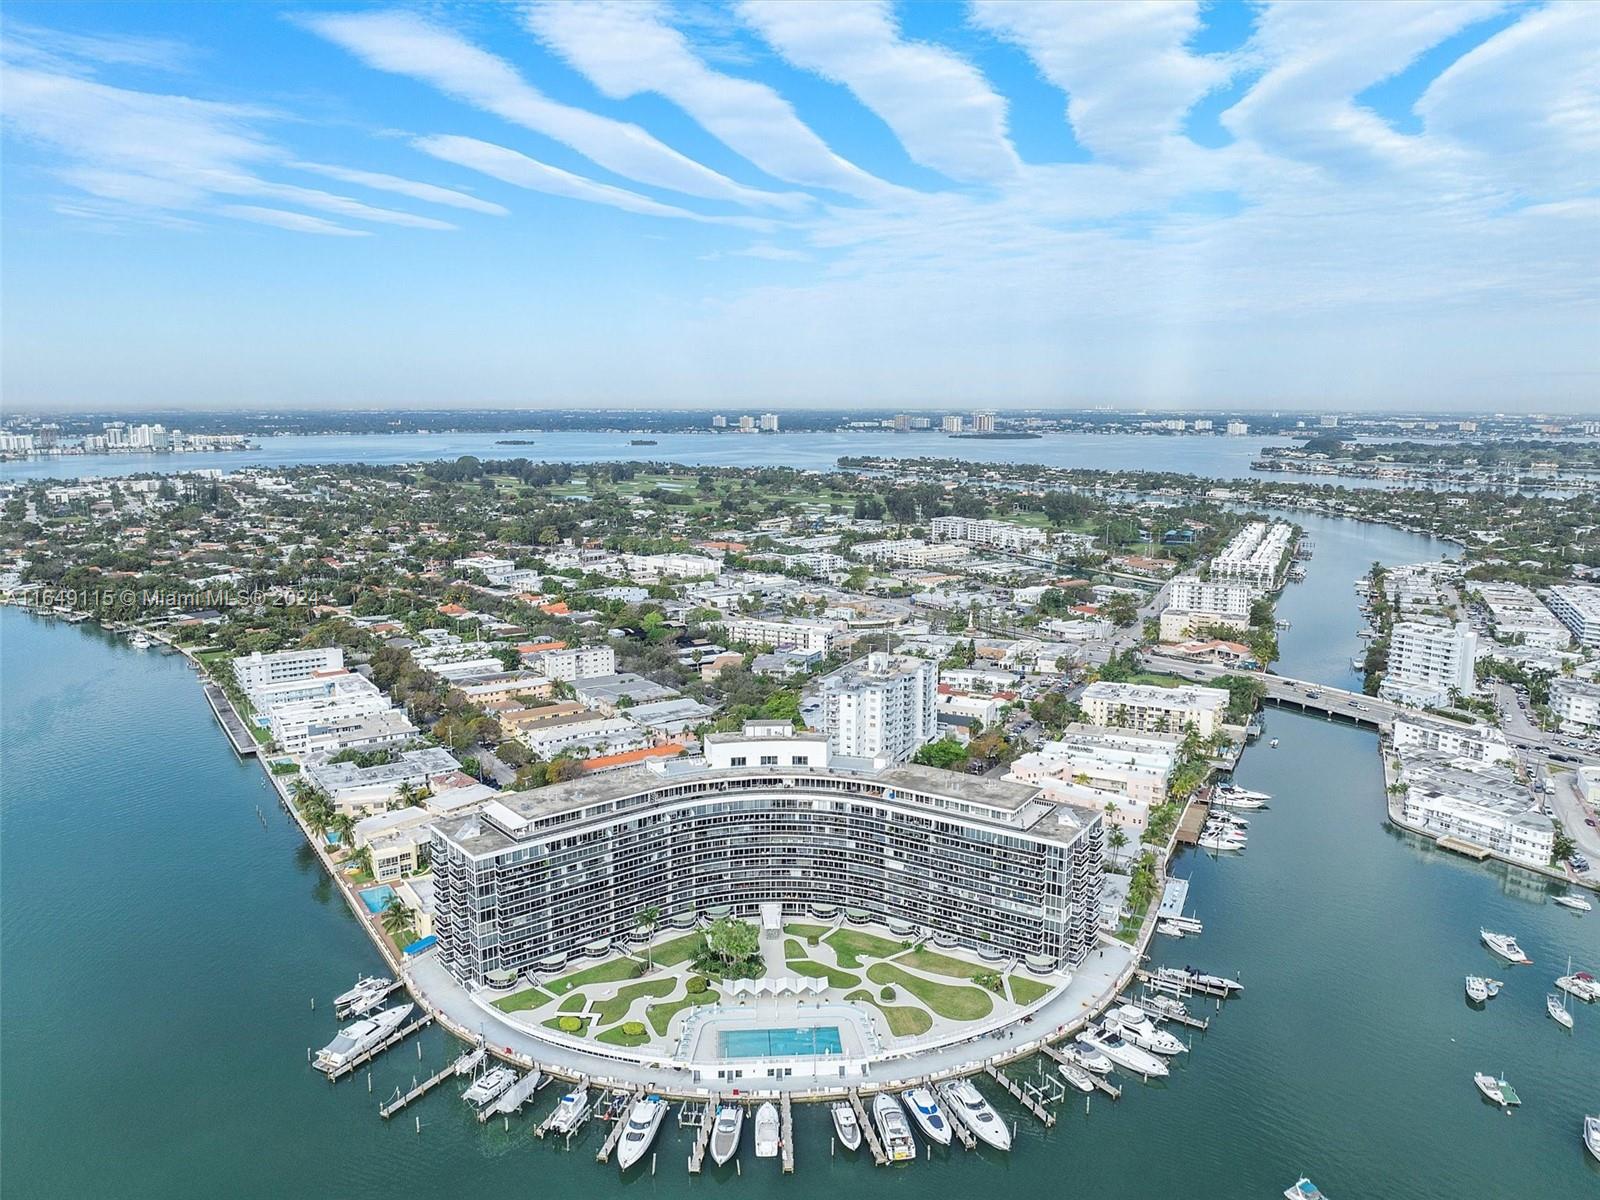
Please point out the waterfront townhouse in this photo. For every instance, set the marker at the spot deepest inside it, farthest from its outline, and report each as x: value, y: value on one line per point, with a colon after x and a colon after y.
x: 1474, y: 743
x: 1427, y: 661
x: 353, y: 789
x: 1152, y: 709
x: 257, y: 670
x: 884, y: 706
x: 1482, y: 803
x: 768, y: 816
x: 1575, y: 702
x: 1519, y: 616
x: 1255, y: 555
x: 996, y: 535
x: 1577, y: 605
x: 808, y: 637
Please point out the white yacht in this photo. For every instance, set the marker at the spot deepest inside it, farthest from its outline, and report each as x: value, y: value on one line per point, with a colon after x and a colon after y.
x: 1171, y: 930
x: 1580, y: 984
x: 1163, y: 1008
x: 1303, y: 1189
x: 1125, y: 1054
x: 489, y: 1086
x: 367, y: 991
x: 1591, y: 1136
x: 898, y: 1143
x: 1231, y: 796
x: 978, y: 1114
x: 644, y: 1119
x: 1076, y: 1076
x: 1498, y: 1090
x: 1213, y: 838
x: 1139, y: 1029
x: 846, y: 1125
x: 726, y: 1132
x: 355, y: 1040
x: 1555, y: 1003
x: 1505, y: 946
x: 139, y: 642
x: 1090, y: 1058
x: 925, y: 1111
x: 569, y: 1112
x: 1477, y: 989
x: 1574, y: 901
x: 768, y: 1130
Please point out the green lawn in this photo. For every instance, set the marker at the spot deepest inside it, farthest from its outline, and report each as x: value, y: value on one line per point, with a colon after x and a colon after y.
x: 555, y: 1023
x: 793, y: 949
x: 575, y: 1003
x: 816, y: 970
x: 678, y: 950
x: 525, y: 999
x: 661, y: 1014
x: 851, y: 946
x: 609, y: 1012
x: 935, y: 963
x: 616, y: 1037
x: 903, y: 1022
x: 611, y: 971
x: 805, y: 931
x: 1027, y: 991
x: 951, y: 1002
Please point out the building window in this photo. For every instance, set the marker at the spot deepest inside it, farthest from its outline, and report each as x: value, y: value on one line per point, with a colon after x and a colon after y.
x: 769, y: 760
x: 737, y: 760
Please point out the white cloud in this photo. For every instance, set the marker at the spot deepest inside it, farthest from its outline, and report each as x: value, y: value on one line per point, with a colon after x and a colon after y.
x: 627, y: 47
x: 404, y: 187
x: 407, y: 45
x: 940, y: 107
x: 296, y: 222
x: 1126, y: 69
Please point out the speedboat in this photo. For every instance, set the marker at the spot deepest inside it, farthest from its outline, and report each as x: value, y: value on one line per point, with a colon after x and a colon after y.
x: 1136, y: 1025
x: 925, y: 1111
x: 1303, y: 1189
x: 898, y: 1143
x: 1505, y: 946
x: 846, y: 1125
x: 1171, y: 930
x: 489, y: 1086
x: 1477, y: 989
x: 1555, y: 1005
x: 1497, y: 1090
x: 726, y: 1132
x: 768, y: 1130
x: 1076, y: 1076
x: 1273, y: 744
x: 1187, y: 924
x: 1163, y: 1008
x: 1090, y: 1058
x: 569, y: 1111
x: 1574, y: 901
x: 1125, y: 1054
x: 1591, y: 1135
x: 367, y: 991
x: 1580, y: 984
x: 644, y: 1119
x: 978, y: 1114
x: 1230, y: 796
x: 355, y: 1040
x: 1189, y: 977
x: 1215, y: 839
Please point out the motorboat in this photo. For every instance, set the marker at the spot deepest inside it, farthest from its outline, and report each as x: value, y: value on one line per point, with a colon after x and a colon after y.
x: 1199, y: 980
x: 355, y: 1040
x: 569, y: 1112
x: 1232, y: 796
x: 1494, y: 986
x: 978, y: 1114
x: 1136, y: 1025
x: 769, y: 1128
x: 726, y: 1132
x: 1273, y: 744
x: 925, y: 1111
x: 1215, y: 839
x: 1591, y: 1136
x: 489, y: 1087
x: 1555, y: 1003
x: 361, y: 998
x: 1477, y: 989
x: 1505, y: 946
x: 898, y: 1143
x: 1580, y: 984
x: 1081, y: 1054
x: 1125, y: 1054
x: 644, y: 1119
x: 139, y: 642
x: 1187, y: 924
x: 846, y: 1125
x: 1171, y: 930
x: 1303, y: 1189
x: 1497, y: 1090
x: 1163, y: 1008
x: 1574, y: 901
x: 468, y: 1062
x: 1076, y: 1076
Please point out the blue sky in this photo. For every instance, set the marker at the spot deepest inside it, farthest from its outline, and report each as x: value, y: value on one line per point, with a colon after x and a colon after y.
x: 852, y: 203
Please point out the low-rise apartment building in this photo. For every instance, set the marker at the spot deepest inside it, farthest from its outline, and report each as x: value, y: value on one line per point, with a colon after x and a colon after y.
x: 1576, y: 702
x: 808, y: 637
x: 997, y: 535
x: 1577, y: 606
x: 1153, y: 709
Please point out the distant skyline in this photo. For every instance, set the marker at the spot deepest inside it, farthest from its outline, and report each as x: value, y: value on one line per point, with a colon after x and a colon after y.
x: 764, y: 204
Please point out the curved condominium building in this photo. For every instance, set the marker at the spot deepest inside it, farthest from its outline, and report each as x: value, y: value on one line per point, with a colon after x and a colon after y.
x: 769, y: 815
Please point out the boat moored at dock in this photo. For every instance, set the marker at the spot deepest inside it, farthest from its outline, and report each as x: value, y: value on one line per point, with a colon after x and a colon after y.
x: 978, y: 1114
x: 570, y: 1112
x: 644, y: 1121
x: 768, y: 1131
x: 1125, y: 1054
x: 898, y: 1144
x: 846, y: 1125
x: 726, y: 1132
x: 356, y: 1039
x: 362, y: 997
x: 925, y: 1111
x: 1136, y: 1026
x: 489, y: 1086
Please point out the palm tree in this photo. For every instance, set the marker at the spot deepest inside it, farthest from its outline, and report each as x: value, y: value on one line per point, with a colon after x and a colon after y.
x: 646, y: 921
x: 345, y: 826
x: 362, y: 860
x: 397, y: 916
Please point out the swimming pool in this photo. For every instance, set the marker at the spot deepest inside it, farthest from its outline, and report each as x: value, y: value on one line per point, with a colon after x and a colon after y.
x: 781, y: 1043
x: 377, y: 899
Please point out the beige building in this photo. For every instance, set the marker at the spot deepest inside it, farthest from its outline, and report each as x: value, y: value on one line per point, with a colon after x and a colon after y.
x: 1156, y: 709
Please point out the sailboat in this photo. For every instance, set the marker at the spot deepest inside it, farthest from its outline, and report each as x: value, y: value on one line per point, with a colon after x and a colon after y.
x: 1555, y: 1003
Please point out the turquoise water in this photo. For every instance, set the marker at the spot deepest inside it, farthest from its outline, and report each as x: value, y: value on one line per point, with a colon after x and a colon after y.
x: 153, y: 1041
x: 377, y: 898
x: 780, y: 1043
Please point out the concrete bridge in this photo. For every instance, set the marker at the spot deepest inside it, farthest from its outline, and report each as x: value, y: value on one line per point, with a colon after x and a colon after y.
x: 1299, y: 694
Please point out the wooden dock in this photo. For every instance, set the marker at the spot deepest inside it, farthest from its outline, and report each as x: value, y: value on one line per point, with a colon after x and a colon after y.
x: 1020, y: 1096
x: 868, y: 1131
x: 545, y: 1125
x: 422, y: 1089
x: 1176, y: 986
x: 786, y: 1134
x: 1101, y: 1083
x: 617, y: 1127
x: 1189, y: 826
x: 394, y: 986
x: 1184, y: 1018
x: 702, y: 1137
x: 356, y: 1064
x: 958, y: 1118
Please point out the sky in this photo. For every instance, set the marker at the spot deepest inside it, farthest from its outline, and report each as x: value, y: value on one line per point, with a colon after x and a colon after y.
x: 855, y: 203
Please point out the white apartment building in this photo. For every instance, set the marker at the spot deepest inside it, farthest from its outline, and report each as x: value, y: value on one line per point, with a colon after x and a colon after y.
x: 576, y: 662
x: 911, y: 552
x: 1093, y: 767
x: 1254, y: 554
x: 1578, y: 607
x: 368, y: 731
x: 293, y: 724
x: 1474, y: 743
x: 1576, y: 702
x: 998, y: 535
x: 885, y: 707
x: 587, y: 731
x: 1427, y: 661
x: 1238, y: 429
x: 951, y: 423
x: 1156, y: 709
x: 1482, y: 804
x: 1519, y: 616
x: 1228, y: 601
x: 808, y: 637
x: 497, y: 571
x: 259, y: 669
x: 653, y: 568
x: 983, y: 422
